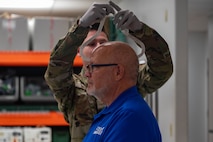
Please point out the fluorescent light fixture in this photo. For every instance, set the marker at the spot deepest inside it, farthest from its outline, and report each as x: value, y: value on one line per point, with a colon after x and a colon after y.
x: 25, y: 4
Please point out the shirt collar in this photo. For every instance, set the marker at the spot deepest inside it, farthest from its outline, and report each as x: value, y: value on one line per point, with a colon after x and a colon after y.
x: 132, y: 91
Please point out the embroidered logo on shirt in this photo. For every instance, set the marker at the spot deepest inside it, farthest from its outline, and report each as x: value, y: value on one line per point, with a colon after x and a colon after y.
x: 99, y: 130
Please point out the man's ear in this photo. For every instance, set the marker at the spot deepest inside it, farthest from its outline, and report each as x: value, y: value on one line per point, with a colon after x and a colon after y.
x: 119, y: 72
x: 78, y: 52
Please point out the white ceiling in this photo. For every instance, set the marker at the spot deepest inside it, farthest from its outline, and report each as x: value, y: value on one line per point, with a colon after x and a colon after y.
x: 198, y: 11
x: 60, y: 8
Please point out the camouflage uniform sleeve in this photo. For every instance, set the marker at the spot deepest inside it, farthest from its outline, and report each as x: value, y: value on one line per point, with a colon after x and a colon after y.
x: 59, y: 73
x: 159, y: 66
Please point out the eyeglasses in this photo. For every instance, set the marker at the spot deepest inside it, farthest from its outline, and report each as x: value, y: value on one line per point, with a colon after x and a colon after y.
x: 91, y: 66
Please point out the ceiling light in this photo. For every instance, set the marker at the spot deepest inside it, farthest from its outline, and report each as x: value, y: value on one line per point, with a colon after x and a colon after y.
x: 25, y: 4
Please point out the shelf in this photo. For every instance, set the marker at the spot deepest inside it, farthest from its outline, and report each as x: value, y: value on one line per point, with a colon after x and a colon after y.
x: 46, y: 118
x: 29, y: 58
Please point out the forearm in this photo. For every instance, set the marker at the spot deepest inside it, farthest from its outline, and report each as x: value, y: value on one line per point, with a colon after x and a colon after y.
x: 158, y: 56
x: 60, y: 67
x: 159, y: 61
x: 59, y: 73
x: 66, y: 48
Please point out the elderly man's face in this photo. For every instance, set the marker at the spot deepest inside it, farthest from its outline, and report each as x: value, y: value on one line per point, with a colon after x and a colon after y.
x: 100, y: 75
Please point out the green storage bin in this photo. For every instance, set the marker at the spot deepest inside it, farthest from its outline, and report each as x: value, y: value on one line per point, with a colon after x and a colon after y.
x: 60, y: 136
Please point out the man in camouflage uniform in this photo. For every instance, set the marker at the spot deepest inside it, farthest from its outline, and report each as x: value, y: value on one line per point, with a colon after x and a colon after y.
x: 70, y: 89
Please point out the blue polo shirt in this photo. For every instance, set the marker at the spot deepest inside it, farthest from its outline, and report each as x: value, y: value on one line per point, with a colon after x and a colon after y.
x: 127, y: 119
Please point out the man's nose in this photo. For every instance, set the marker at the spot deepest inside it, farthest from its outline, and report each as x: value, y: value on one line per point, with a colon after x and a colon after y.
x: 98, y: 44
x: 87, y: 73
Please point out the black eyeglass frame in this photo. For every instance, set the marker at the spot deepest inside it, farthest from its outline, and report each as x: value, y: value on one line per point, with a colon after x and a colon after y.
x: 90, y: 67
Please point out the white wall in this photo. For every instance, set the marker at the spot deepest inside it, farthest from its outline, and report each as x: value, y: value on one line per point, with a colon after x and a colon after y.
x: 197, y: 87
x: 210, y: 77
x: 160, y: 15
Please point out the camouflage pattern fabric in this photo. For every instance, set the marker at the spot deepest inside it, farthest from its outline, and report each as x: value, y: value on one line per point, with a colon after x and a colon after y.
x: 69, y: 89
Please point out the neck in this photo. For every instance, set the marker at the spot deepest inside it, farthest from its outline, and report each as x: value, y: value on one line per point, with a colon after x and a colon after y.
x: 111, y: 96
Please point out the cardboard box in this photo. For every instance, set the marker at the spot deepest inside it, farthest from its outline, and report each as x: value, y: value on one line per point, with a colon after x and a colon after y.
x: 47, y: 31
x: 11, y: 134
x: 14, y: 34
x: 37, y: 134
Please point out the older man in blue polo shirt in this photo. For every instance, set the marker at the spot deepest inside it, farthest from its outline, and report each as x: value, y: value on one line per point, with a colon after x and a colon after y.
x: 112, y: 76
